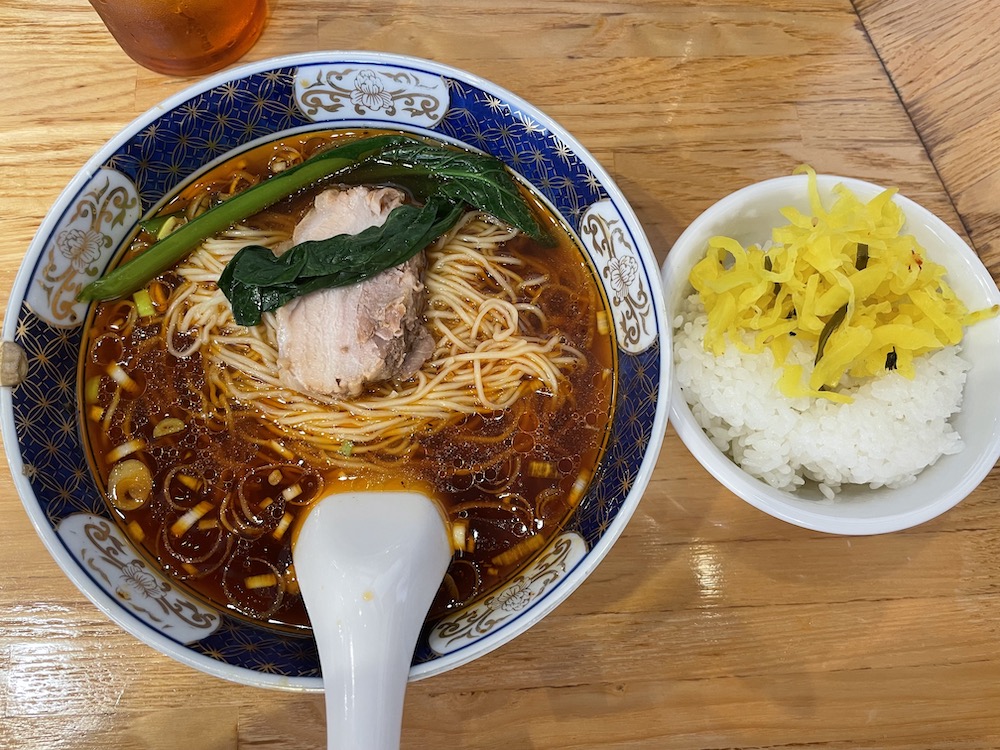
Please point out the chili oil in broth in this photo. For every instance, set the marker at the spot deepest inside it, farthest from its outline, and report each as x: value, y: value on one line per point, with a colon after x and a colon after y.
x: 228, y: 489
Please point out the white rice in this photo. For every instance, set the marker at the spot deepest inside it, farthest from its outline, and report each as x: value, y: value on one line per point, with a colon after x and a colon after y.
x: 895, y: 428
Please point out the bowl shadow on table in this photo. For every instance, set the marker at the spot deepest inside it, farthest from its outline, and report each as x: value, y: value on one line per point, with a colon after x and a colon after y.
x: 749, y: 610
x: 577, y: 672
x: 779, y: 599
x: 661, y: 225
x: 293, y: 720
x: 566, y: 676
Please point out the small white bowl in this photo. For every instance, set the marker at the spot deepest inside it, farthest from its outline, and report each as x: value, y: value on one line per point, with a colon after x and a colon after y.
x: 748, y: 215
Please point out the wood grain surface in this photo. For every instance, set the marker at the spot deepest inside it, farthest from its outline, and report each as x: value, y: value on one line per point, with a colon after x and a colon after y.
x: 941, y: 60
x: 710, y: 624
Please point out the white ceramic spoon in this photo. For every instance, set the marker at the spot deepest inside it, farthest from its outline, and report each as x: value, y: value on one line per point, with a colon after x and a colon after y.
x: 368, y: 565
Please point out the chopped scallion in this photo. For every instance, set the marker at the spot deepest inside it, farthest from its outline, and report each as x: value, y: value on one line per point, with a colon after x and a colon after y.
x: 143, y: 303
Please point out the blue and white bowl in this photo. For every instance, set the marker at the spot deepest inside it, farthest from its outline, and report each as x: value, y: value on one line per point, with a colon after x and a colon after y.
x: 170, y: 146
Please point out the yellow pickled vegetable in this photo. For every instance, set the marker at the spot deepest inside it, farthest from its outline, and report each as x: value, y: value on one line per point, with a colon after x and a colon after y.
x: 845, y: 281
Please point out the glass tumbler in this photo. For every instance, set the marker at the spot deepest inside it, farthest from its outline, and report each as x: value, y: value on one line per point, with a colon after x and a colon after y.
x: 183, y: 37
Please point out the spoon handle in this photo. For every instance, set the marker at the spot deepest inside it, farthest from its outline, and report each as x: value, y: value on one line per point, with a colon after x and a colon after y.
x: 369, y: 565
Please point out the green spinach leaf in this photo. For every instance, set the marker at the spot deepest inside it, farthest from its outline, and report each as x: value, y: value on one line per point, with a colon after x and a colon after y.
x: 256, y: 280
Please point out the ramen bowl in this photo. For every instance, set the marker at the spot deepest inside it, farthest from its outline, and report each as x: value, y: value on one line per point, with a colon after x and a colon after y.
x: 748, y: 216
x: 169, y: 148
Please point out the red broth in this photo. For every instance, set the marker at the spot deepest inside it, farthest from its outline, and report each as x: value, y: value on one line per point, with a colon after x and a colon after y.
x: 228, y: 490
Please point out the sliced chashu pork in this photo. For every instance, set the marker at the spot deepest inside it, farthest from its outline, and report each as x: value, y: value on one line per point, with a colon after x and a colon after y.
x: 334, y: 341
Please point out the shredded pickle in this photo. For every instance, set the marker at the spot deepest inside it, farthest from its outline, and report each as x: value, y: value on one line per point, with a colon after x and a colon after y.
x: 851, y: 261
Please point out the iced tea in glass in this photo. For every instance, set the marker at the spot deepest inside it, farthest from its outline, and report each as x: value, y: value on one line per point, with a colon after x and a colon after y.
x: 184, y: 37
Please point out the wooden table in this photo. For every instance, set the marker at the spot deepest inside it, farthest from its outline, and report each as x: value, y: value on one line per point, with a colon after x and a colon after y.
x: 710, y: 624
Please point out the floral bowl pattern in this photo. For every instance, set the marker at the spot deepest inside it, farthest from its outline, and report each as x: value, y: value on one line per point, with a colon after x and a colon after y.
x: 170, y: 146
